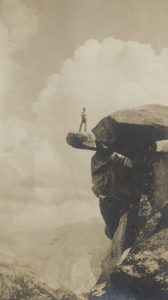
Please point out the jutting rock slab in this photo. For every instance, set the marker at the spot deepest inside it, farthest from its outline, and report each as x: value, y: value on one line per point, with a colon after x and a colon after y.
x: 81, y: 141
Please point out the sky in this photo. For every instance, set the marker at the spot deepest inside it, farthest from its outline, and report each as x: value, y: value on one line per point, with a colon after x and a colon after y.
x: 57, y: 56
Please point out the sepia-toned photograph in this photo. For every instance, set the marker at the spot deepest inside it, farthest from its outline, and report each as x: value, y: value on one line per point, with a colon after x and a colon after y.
x: 83, y: 149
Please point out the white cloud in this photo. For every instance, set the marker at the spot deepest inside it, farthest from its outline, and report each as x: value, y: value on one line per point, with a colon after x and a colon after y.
x: 26, y: 160
x: 17, y: 25
x: 103, y: 77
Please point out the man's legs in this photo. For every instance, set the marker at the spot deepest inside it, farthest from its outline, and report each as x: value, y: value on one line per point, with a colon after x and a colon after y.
x: 80, y: 127
x: 85, y: 126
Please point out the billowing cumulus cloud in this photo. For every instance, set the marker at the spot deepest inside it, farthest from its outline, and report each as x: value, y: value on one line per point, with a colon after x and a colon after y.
x: 17, y: 25
x: 45, y: 171
x: 104, y: 77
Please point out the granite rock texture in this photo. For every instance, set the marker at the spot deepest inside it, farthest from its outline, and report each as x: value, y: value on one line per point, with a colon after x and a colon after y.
x: 130, y: 177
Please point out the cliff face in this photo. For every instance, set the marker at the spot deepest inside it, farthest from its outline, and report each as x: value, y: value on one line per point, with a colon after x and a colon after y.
x: 129, y: 174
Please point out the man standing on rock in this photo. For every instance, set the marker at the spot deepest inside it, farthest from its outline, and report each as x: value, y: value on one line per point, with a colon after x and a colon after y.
x: 83, y: 120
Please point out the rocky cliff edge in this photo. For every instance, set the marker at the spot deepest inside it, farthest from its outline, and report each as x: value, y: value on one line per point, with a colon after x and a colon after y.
x: 130, y: 178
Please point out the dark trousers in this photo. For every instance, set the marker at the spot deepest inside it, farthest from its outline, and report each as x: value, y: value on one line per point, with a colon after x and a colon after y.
x: 81, y: 125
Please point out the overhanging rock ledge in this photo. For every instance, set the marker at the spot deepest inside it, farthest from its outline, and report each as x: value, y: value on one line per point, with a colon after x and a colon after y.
x: 130, y: 178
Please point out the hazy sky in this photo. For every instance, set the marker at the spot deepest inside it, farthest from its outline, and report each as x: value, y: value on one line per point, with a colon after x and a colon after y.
x: 57, y: 56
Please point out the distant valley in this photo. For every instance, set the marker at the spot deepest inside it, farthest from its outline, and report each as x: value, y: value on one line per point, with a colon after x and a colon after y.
x: 68, y: 257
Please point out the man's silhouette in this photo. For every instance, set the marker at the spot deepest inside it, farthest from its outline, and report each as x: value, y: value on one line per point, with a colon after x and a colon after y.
x: 83, y: 120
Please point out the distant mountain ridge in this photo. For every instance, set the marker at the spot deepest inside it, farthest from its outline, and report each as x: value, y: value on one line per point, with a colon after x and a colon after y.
x: 16, y: 285
x: 69, y: 256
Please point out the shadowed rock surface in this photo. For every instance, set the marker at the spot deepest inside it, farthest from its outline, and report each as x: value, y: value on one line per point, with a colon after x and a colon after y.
x: 81, y: 140
x: 124, y: 128
x: 130, y: 178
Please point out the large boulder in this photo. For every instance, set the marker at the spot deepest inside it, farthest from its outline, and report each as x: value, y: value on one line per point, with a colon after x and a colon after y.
x: 130, y: 179
x: 128, y: 130
x: 129, y: 175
